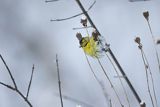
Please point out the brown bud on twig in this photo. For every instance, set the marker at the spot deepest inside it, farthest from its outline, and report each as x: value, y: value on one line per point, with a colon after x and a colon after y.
x: 95, y: 35
x: 138, y: 40
x: 146, y: 15
x: 79, y: 36
x: 84, y: 21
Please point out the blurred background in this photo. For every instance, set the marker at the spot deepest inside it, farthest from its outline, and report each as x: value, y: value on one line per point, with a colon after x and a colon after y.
x: 28, y: 37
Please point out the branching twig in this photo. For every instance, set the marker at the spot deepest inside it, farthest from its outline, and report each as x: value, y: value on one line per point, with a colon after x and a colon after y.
x: 111, y: 53
x: 125, y: 92
x: 112, y: 86
x: 71, y: 17
x: 7, y: 86
x: 146, y: 16
x: 30, y: 82
x: 153, y: 86
x: 15, y: 88
x: 15, y: 85
x: 99, y: 82
x: 138, y: 41
x: 59, y: 81
x: 148, y: 86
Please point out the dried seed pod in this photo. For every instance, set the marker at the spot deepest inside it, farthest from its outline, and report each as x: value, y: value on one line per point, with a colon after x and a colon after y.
x: 146, y: 15
x: 138, y: 40
x: 84, y: 21
x: 95, y: 35
x: 79, y: 36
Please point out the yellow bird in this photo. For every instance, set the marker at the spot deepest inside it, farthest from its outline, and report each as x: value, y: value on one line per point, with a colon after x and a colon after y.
x: 90, y: 45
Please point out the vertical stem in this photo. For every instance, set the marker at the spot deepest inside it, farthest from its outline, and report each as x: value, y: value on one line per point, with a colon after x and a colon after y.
x: 153, y: 86
x: 59, y: 82
x: 110, y: 83
x: 111, y: 53
x: 153, y: 39
x: 30, y: 82
x: 125, y: 92
x: 147, y: 78
x: 99, y: 82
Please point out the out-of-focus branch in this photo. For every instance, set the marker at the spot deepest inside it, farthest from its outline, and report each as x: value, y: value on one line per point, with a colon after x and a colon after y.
x: 15, y: 85
x: 71, y: 17
x: 15, y: 88
x: 30, y: 82
x: 59, y: 81
x: 51, y: 1
x: 74, y: 100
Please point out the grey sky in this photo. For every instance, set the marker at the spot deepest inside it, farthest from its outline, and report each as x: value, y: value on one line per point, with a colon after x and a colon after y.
x: 27, y: 36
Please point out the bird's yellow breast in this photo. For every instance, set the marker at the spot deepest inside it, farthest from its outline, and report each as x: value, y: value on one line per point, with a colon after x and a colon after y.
x: 89, y: 46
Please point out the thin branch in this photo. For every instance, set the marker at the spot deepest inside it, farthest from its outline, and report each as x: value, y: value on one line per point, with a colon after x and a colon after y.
x: 15, y: 88
x: 47, y: 1
x: 30, y: 82
x: 111, y: 53
x: 125, y: 92
x: 146, y: 16
x: 92, y: 5
x: 8, y: 86
x: 99, y: 82
x: 155, y: 47
x: 59, y: 81
x: 24, y: 98
x: 74, y: 100
x: 81, y: 28
x: 71, y: 17
x: 15, y: 85
x: 148, y: 86
x: 112, y: 86
x: 152, y: 80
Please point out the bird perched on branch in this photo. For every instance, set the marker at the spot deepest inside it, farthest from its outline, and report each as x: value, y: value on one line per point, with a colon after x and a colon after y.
x: 91, y: 45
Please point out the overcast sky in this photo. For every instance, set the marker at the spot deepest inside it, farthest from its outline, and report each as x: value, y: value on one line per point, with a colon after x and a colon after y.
x: 28, y: 37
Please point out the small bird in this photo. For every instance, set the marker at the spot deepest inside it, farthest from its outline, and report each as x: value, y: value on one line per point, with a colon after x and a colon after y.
x: 90, y: 45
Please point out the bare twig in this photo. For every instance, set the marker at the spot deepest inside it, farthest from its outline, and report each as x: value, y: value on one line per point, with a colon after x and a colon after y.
x: 99, y: 82
x: 15, y: 85
x: 74, y: 100
x: 125, y: 92
x: 59, y: 81
x: 140, y: 46
x: 146, y: 16
x: 81, y: 27
x: 7, y: 86
x: 148, y: 86
x: 71, y: 17
x: 15, y: 88
x: 111, y: 53
x: 152, y: 80
x: 47, y: 1
x: 112, y: 86
x: 30, y: 82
